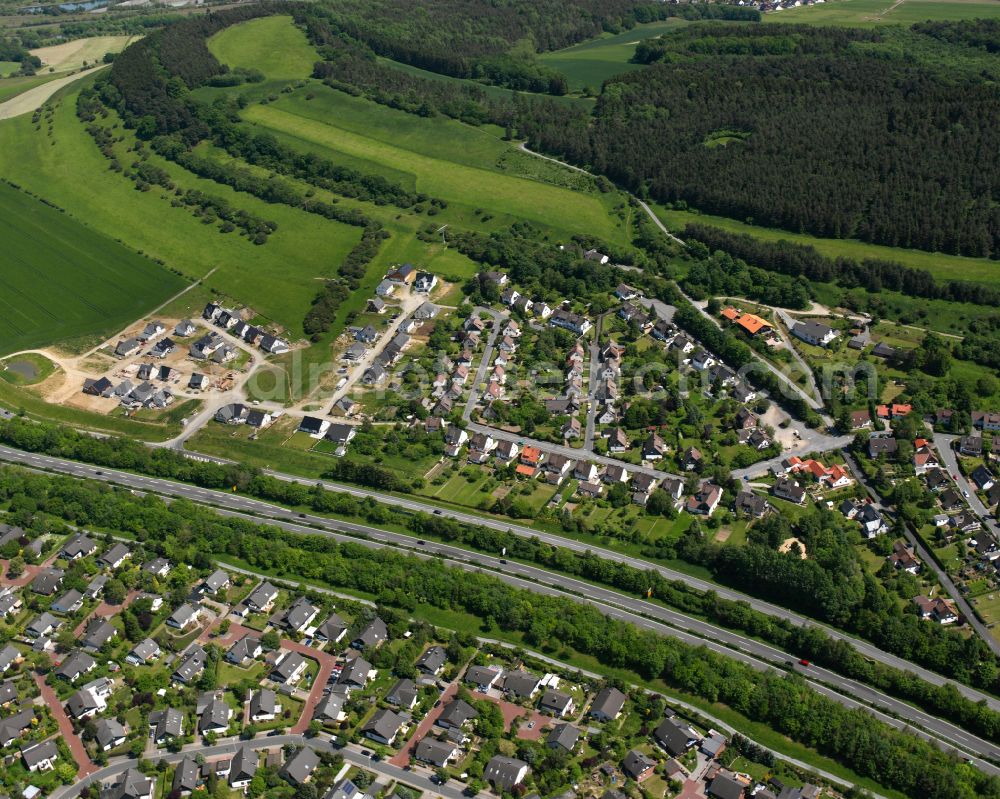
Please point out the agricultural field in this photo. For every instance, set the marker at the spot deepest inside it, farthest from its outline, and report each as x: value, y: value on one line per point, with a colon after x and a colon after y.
x: 63, y: 280
x: 589, y: 64
x: 80, y: 52
x: 874, y: 13
x: 60, y: 162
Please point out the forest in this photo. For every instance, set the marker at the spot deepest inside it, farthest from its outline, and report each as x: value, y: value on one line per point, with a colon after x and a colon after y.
x: 807, y: 129
x: 186, y: 533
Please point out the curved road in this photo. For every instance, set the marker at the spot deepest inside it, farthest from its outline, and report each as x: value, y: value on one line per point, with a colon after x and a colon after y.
x: 616, y: 605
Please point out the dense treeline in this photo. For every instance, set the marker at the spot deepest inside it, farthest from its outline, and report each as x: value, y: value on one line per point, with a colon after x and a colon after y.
x: 950, y: 649
x: 983, y: 34
x: 730, y: 132
x: 14, y: 49
x: 188, y: 533
x: 324, y: 308
x: 720, y: 274
x: 483, y: 40
x: 800, y: 260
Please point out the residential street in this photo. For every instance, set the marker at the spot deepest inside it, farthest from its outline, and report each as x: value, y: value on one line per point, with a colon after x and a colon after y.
x: 921, y: 551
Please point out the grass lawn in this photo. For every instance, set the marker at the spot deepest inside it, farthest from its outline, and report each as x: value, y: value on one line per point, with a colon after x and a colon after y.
x: 446, y: 159
x: 277, y: 279
x: 272, y: 45
x: 989, y: 608
x: 873, y: 13
x: 63, y: 280
x: 947, y: 267
x: 592, y: 62
x: 27, y: 369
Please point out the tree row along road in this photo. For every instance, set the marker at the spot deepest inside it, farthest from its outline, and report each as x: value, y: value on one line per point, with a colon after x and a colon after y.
x: 865, y: 648
x: 644, y: 614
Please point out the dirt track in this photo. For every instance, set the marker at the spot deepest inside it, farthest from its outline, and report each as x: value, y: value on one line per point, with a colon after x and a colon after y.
x: 33, y: 98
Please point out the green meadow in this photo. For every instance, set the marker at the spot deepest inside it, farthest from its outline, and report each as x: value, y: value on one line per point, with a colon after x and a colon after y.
x: 873, y: 13
x: 272, y: 45
x: 63, y: 280
x: 945, y: 267
x: 279, y: 279
x: 445, y: 158
x: 590, y: 63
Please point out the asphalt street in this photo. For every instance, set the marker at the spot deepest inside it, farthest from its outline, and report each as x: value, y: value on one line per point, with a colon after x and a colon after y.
x: 640, y: 612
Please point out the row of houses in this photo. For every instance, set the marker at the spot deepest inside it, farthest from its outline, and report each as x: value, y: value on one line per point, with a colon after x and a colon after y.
x: 230, y: 320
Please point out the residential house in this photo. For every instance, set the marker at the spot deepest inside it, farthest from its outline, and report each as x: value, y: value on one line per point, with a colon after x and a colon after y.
x: 372, y: 636
x: 109, y: 733
x: 564, y: 737
x: 143, y: 652
x: 166, y: 724
x: 215, y: 582
x: 215, y: 718
x: 40, y: 756
x: 436, y: 753
x: 289, y: 668
x: 243, y: 767
x: 264, y: 706
x: 433, y: 661
x: 705, y: 501
x: 355, y: 673
x: 608, y: 704
x: 299, y: 768
x: 521, y: 684
x: 383, y: 727
x: 244, y: 650
x: 653, y: 447
x: 456, y: 714
x: 814, y: 333
x: 691, y: 459
x: 638, y: 766
x: 882, y: 445
x: 262, y: 598
x: 47, y: 581
x: 185, y: 616
x: 789, y: 490
x: 313, y: 427
x: 482, y: 677
x: 861, y: 420
x: 556, y: 703
x: 752, y: 505
x: 80, y: 546
x: 115, y: 556
x: 937, y: 609
x: 505, y: 772
x: 403, y: 694
x: 333, y: 629
x: 191, y: 666
x: 676, y: 738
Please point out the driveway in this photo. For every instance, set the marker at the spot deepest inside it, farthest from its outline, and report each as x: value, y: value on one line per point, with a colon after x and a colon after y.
x: 402, y: 758
x: 84, y: 764
x: 105, y: 610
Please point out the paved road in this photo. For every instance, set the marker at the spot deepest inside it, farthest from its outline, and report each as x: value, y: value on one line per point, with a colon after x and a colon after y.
x: 949, y: 458
x: 809, y: 441
x: 639, y: 612
x: 499, y: 320
x: 592, y: 375
x: 29, y: 101
x: 417, y: 778
x: 789, y: 323
x: 921, y: 551
x: 273, y: 512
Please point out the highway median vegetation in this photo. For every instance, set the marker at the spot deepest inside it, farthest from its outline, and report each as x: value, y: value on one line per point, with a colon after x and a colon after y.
x: 187, y: 533
x: 757, y: 568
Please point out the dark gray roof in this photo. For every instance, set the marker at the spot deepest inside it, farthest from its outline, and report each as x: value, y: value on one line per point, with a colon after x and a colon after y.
x: 107, y: 731
x: 167, y: 723
x: 725, y: 787
x: 403, y: 693
x: 130, y: 785
x: 433, y: 751
x: 74, y: 665
x: 374, y: 633
x: 433, y: 660
x: 243, y: 765
x: 385, y: 724
x: 563, y: 735
x: 187, y: 775
x: 503, y: 772
x: 35, y: 753
x: 301, y: 766
x: 456, y: 713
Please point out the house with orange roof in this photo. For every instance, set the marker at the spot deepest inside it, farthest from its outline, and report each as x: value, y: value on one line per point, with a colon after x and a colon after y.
x: 894, y: 411
x: 731, y: 314
x: 752, y: 323
x: 531, y: 456
x: 523, y: 470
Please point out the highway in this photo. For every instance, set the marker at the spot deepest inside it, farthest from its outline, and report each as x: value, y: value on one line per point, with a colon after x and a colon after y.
x: 642, y: 613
